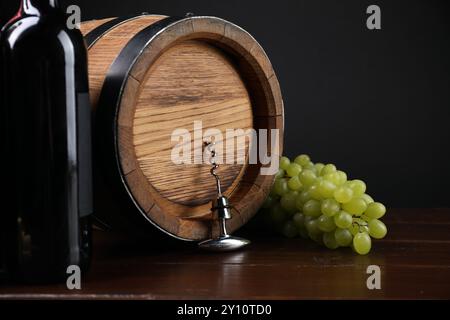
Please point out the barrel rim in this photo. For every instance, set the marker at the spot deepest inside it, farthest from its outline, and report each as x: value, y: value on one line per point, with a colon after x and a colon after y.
x: 93, y: 36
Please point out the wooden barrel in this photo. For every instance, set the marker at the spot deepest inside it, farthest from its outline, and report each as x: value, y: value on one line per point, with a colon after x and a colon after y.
x: 151, y: 74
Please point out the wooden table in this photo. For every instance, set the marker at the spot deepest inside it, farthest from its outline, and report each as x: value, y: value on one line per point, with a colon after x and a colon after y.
x: 414, y: 261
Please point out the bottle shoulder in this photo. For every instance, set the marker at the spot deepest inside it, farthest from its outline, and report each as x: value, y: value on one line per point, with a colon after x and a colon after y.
x: 18, y: 25
x: 38, y: 31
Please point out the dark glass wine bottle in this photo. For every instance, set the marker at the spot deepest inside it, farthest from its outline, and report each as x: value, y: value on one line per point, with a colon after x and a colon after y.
x: 46, y: 111
x: 2, y: 162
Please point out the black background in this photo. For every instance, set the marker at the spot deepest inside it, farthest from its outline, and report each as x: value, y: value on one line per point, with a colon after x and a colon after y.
x: 376, y: 103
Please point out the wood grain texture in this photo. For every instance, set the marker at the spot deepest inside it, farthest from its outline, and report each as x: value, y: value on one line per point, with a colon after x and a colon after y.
x: 88, y: 26
x: 200, y: 69
x: 190, y: 82
x: 414, y: 260
x: 106, y: 49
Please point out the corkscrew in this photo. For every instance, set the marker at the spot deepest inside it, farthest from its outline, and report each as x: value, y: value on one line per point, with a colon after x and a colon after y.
x: 221, y: 205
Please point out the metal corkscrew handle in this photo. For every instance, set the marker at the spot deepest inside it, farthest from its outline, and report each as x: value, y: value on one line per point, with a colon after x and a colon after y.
x: 221, y: 205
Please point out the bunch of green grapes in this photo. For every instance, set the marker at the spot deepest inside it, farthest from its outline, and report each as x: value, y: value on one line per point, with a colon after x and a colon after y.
x: 317, y: 201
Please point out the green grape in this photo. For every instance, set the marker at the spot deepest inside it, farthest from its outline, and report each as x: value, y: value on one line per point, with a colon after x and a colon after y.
x: 358, y: 187
x: 310, y: 166
x: 354, y: 229
x: 302, y: 159
x: 329, y: 240
x: 280, y: 187
x: 302, y: 198
x: 368, y: 199
x: 342, y: 177
x: 377, y: 229
x: 362, y: 243
x: 313, y: 227
x: 318, y: 168
x: 375, y: 210
x: 361, y: 225
x: 278, y: 215
x: 343, y: 194
x: 272, y: 192
x: 331, y: 177
x: 312, y: 208
x: 366, y: 218
x: 316, y: 238
x: 280, y: 174
x: 361, y: 222
x: 307, y: 177
x: 303, y: 232
x: 299, y: 220
x: 326, y: 224
x: 343, y: 220
x: 330, y: 207
x: 293, y: 169
x: 314, y: 191
x: 269, y: 202
x: 355, y: 206
x: 308, y: 219
x: 284, y: 162
x: 289, y: 230
x: 343, y: 237
x: 294, y: 183
x: 288, y: 201
x: 329, y: 168
x: 338, y: 178
x: 326, y: 189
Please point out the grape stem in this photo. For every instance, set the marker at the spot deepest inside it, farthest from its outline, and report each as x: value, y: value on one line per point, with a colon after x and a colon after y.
x: 365, y: 224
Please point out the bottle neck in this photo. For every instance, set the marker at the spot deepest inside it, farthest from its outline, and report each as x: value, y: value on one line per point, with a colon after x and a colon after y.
x: 37, y: 7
